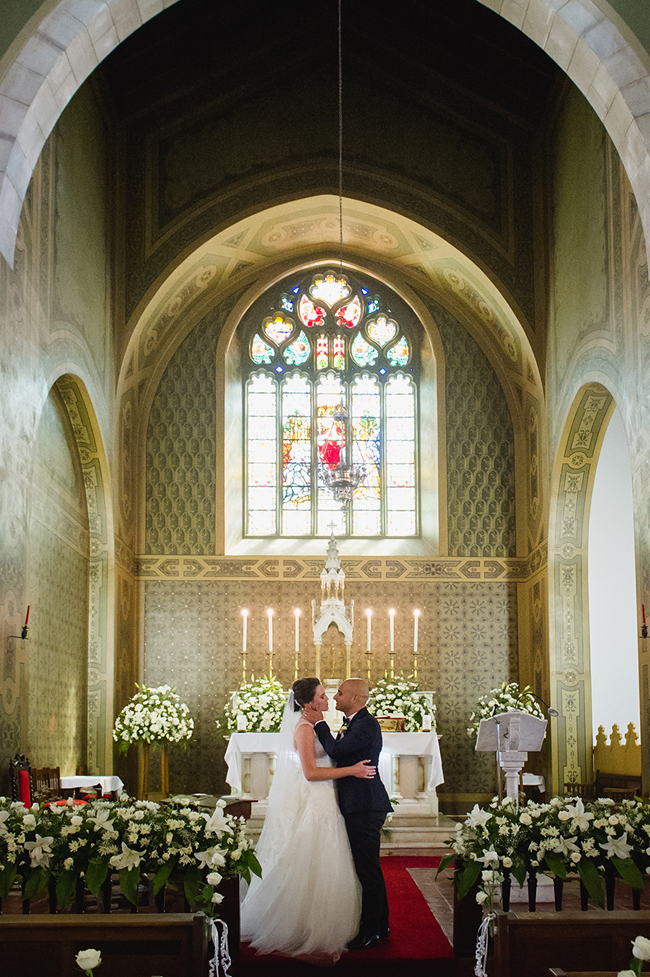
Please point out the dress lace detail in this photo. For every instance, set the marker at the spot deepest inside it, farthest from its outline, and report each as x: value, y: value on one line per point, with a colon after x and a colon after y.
x: 307, y: 903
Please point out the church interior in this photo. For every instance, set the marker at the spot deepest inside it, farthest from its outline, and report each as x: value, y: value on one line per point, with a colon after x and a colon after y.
x: 166, y: 198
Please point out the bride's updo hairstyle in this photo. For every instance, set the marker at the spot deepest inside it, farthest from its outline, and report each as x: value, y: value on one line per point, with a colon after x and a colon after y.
x: 303, y: 692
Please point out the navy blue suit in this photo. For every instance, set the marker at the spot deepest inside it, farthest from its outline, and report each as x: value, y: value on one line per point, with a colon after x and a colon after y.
x: 364, y: 804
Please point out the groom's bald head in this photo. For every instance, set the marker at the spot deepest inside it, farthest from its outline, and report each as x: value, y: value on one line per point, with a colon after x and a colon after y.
x: 351, y: 696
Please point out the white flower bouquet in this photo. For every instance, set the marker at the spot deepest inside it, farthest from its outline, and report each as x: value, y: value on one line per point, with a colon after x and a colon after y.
x: 509, y: 696
x: 563, y: 837
x: 63, y: 843
x: 256, y: 707
x: 153, y: 715
x: 402, y: 697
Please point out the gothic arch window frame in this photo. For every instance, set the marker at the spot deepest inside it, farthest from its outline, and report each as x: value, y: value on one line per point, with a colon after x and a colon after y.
x: 317, y: 344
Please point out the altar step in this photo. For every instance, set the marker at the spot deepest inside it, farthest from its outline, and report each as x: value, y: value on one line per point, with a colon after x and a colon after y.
x: 405, y: 834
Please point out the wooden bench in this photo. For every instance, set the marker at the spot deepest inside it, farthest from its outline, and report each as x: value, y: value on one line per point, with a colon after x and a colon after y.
x: 592, y: 942
x: 170, y: 945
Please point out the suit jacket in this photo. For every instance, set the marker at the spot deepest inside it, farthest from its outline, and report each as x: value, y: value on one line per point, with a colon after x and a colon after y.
x: 361, y: 741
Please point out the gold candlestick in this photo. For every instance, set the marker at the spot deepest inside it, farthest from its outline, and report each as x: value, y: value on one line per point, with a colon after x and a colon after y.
x: 270, y: 664
x: 392, y: 664
x: 243, y: 668
x: 368, y: 660
x: 415, y: 667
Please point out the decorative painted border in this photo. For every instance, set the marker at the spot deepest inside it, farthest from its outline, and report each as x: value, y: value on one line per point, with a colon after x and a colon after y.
x: 356, y: 568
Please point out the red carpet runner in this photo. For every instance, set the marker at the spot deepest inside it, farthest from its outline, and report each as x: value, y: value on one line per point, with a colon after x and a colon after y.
x: 417, y: 942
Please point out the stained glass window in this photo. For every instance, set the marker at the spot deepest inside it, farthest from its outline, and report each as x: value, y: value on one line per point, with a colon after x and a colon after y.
x: 398, y: 355
x: 330, y: 388
x: 299, y: 351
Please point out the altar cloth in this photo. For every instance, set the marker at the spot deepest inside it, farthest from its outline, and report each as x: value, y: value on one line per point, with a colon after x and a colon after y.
x: 394, y: 744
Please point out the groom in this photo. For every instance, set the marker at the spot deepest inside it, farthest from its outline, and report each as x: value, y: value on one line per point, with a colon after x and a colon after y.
x: 364, y: 803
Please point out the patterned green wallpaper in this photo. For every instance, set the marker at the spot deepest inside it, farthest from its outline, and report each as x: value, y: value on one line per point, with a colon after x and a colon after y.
x: 480, y: 448
x: 58, y: 594
x: 181, y: 449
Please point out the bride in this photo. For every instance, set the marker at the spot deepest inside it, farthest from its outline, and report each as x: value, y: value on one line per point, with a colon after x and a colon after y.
x: 307, y: 903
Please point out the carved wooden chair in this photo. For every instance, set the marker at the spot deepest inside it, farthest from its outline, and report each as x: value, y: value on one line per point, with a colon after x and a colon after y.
x: 46, y: 783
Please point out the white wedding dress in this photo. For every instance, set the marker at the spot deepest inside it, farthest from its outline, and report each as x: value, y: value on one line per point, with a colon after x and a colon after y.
x: 308, y: 902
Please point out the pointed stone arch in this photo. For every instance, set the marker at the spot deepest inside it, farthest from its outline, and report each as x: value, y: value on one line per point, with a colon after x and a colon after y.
x: 569, y: 661
x: 66, y: 45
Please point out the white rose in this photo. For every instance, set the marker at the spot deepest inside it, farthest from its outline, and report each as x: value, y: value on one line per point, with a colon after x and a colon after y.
x: 88, y: 959
x: 481, y: 897
x: 507, y: 862
x: 641, y: 948
x: 217, y: 897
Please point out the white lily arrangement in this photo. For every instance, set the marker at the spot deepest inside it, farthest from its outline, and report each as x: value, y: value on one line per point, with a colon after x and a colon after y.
x: 135, y: 838
x: 153, y: 715
x: 508, y: 697
x: 400, y: 696
x: 256, y: 707
x: 563, y: 837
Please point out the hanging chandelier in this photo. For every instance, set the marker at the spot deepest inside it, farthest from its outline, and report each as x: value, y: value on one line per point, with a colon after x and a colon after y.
x: 342, y: 479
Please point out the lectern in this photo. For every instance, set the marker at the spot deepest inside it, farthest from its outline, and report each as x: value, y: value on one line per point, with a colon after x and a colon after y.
x: 512, y: 736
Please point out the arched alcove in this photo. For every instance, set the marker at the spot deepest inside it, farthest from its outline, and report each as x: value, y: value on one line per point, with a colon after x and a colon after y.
x: 70, y: 587
x: 612, y: 587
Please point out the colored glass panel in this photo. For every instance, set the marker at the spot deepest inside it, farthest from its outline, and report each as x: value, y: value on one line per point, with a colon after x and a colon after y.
x: 400, y: 456
x: 278, y: 328
x: 381, y: 330
x: 261, y: 443
x: 286, y: 302
x: 398, y: 355
x: 322, y: 355
x: 338, y: 352
x: 299, y: 351
x: 330, y: 400
x: 373, y: 304
x: 350, y: 314
x: 366, y: 442
x: 362, y: 352
x: 296, y: 449
x: 310, y: 314
x: 261, y: 352
x: 330, y: 289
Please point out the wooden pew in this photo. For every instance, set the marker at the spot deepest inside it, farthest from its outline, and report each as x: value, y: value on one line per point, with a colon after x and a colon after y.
x: 171, y: 945
x: 573, y: 941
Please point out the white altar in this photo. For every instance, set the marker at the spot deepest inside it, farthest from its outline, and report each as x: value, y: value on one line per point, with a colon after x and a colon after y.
x: 410, y: 767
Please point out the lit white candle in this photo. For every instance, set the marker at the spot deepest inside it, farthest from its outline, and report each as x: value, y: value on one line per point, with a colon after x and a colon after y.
x: 416, y: 616
x: 270, y: 614
x: 369, y: 616
x: 245, y: 630
x: 392, y: 628
x: 297, y: 617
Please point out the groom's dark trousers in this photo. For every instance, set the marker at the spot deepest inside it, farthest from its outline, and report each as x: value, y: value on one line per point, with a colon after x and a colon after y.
x: 364, y: 804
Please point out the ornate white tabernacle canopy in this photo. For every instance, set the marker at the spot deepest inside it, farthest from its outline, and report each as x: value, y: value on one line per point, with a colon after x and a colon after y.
x: 333, y: 609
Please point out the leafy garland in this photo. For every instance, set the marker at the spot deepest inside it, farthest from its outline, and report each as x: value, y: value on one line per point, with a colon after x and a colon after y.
x: 153, y: 715
x: 135, y: 838
x: 509, y: 696
x: 401, y: 697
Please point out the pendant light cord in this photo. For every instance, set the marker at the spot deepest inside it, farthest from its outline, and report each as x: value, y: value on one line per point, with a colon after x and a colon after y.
x: 340, y: 145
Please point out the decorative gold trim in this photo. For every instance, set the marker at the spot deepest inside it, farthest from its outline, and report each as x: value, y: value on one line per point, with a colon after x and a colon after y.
x: 358, y: 568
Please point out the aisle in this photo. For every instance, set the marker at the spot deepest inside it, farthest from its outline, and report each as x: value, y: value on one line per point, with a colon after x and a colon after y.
x: 417, y: 940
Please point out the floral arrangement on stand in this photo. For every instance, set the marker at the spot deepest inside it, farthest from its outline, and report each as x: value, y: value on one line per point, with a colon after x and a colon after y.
x: 596, y: 842
x: 153, y: 716
x: 256, y: 707
x: 508, y: 697
x: 402, y: 697
x: 60, y: 844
